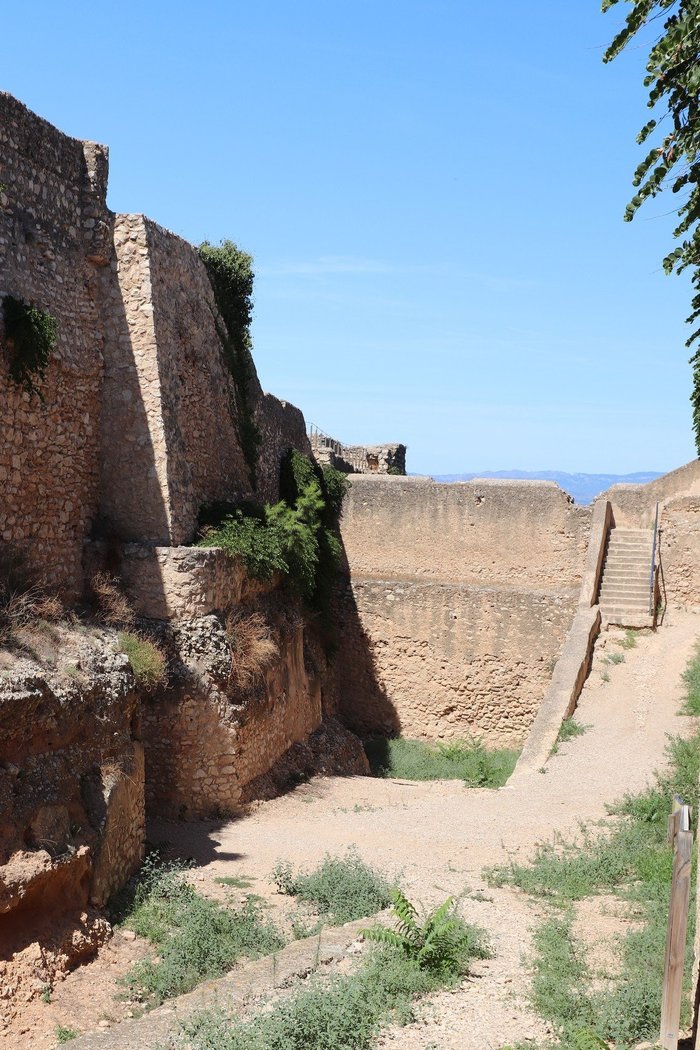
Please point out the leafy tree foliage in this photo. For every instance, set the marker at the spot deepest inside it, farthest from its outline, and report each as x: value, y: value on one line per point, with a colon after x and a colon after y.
x: 673, y: 79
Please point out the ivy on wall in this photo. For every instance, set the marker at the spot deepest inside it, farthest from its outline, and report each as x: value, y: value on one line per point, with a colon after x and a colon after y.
x: 30, y: 336
x: 231, y: 275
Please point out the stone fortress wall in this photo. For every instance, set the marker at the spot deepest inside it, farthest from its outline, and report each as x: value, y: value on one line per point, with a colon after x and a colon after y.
x: 137, y: 424
x: 457, y: 602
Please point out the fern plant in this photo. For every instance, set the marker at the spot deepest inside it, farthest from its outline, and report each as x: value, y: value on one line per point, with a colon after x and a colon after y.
x: 442, y: 943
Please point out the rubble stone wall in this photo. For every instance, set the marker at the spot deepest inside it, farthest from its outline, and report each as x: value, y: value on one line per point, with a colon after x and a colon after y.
x: 53, y: 219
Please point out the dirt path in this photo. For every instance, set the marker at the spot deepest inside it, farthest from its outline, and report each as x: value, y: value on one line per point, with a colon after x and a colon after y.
x: 439, y: 836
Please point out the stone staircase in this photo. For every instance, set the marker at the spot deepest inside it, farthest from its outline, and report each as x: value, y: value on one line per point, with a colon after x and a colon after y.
x: 624, y: 589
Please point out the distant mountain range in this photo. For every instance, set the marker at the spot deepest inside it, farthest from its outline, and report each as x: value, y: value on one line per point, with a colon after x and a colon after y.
x: 583, y: 487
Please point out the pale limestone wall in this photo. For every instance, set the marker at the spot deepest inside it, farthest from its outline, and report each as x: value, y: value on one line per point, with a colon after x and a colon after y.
x: 678, y: 496
x: 458, y: 603
x: 206, y: 739
x: 524, y: 533
x: 281, y: 427
x: 53, y: 221
x: 437, y: 660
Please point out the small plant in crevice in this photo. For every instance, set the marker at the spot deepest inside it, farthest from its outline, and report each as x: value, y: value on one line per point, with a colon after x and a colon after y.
x: 568, y: 730
x: 251, y: 645
x: 113, y: 606
x: 30, y: 336
x: 230, y: 272
x: 148, y: 661
x: 65, y: 1034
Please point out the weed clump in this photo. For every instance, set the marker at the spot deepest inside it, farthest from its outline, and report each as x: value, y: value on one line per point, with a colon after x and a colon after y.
x: 147, y: 660
x: 113, y: 607
x: 341, y: 1012
x: 632, y: 859
x: 466, y: 760
x: 251, y: 645
x: 196, y: 938
x: 340, y: 889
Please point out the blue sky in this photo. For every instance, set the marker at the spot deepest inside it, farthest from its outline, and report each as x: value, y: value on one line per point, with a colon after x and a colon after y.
x: 433, y: 194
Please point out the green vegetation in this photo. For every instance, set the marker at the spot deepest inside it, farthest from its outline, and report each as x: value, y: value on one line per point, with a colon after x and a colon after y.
x: 466, y: 760
x: 691, y: 680
x: 442, y: 943
x: 196, y: 938
x: 630, y: 640
x: 239, y: 882
x: 296, y: 537
x: 64, y: 1035
x: 31, y: 335
x: 631, y: 859
x: 231, y: 275
x: 340, y: 889
x: 147, y: 661
x: 672, y: 162
x: 348, y: 1012
x: 567, y: 731
x: 614, y: 658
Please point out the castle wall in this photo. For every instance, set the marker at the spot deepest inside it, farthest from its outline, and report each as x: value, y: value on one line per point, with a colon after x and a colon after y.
x: 209, y: 736
x: 678, y: 497
x: 458, y: 601
x: 514, y: 532
x: 53, y: 237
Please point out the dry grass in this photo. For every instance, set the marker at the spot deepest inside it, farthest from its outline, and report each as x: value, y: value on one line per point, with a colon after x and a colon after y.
x: 112, y: 604
x: 24, y: 603
x: 252, y: 647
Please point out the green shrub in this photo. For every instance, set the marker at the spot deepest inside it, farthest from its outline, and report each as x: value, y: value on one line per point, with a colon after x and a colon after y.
x: 231, y: 275
x: 32, y: 334
x: 197, y: 938
x: 466, y: 760
x: 147, y: 661
x: 336, y: 1013
x: 340, y: 889
x: 295, y: 537
x: 442, y: 943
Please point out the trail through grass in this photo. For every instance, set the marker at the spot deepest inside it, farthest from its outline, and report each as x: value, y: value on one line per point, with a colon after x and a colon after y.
x: 630, y: 858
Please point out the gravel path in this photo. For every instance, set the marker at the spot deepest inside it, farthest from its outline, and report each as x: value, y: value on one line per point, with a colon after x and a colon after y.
x: 439, y: 836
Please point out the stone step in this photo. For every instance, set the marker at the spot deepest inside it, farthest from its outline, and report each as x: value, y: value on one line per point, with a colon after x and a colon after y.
x: 622, y: 579
x: 627, y: 617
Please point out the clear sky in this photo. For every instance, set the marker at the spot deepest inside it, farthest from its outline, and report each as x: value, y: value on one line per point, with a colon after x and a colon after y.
x: 433, y: 194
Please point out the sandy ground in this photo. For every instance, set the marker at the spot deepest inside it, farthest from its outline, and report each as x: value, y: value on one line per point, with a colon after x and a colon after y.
x: 438, y: 837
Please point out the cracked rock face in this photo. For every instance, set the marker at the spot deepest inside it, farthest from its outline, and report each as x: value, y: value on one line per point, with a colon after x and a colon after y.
x: 71, y: 786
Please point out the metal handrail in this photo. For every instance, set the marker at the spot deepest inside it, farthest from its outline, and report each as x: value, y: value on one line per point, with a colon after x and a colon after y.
x: 652, y: 570
x: 319, y: 439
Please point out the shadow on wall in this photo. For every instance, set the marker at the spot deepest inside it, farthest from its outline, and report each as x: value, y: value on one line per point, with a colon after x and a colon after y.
x: 363, y: 704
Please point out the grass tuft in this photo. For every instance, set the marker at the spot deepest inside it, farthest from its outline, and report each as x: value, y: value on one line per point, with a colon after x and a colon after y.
x: 466, y: 760
x: 147, y: 660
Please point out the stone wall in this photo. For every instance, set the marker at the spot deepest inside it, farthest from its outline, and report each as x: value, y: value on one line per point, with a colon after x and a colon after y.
x: 458, y: 601
x: 71, y: 771
x: 437, y: 660
x: 211, y: 734
x: 53, y: 223
x: 678, y: 497
x: 514, y: 532
x: 135, y: 425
